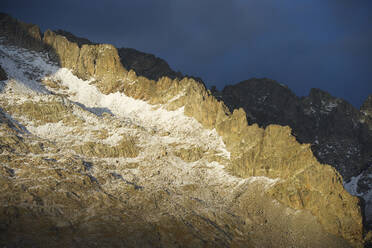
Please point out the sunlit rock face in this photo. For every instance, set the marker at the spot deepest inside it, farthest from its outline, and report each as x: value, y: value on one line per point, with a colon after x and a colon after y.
x: 338, y: 133
x: 331, y: 125
x: 95, y: 156
x: 101, y: 61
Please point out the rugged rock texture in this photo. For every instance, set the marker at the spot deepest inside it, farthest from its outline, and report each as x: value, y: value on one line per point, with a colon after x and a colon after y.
x: 320, y: 119
x: 20, y: 33
x: 125, y: 148
x: 367, y: 105
x: 366, y: 110
x: 272, y: 152
x: 99, y: 61
x: 226, y: 212
x: 329, y: 124
x: 75, y: 39
x: 146, y: 65
x: 334, y: 128
x: 45, y: 112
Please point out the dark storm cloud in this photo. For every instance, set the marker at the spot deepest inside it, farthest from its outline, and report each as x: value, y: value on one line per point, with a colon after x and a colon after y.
x: 320, y: 43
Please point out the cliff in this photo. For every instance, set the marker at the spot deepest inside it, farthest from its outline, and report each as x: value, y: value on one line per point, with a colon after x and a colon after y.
x: 338, y: 133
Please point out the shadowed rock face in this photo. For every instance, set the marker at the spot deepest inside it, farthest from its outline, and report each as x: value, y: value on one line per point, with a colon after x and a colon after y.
x: 330, y: 124
x: 72, y: 38
x: 337, y: 132
x: 367, y: 105
x: 20, y: 33
x: 146, y: 65
x: 366, y: 110
x: 307, y: 191
x: 2, y: 74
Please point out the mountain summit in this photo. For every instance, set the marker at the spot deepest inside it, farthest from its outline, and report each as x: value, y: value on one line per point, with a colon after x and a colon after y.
x: 95, y: 155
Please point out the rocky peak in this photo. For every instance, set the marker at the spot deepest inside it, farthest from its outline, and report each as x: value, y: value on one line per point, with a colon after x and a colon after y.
x: 143, y: 64
x: 332, y: 126
x: 19, y: 33
x: 72, y: 38
x: 269, y: 94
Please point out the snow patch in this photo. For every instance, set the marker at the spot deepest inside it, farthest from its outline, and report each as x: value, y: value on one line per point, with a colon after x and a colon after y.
x: 24, y: 68
x: 140, y: 112
x: 51, y: 131
x: 268, y: 182
x: 352, y: 185
x: 181, y: 94
x: 329, y: 106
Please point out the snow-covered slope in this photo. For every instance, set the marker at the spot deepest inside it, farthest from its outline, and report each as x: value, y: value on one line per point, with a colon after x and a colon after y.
x: 26, y: 69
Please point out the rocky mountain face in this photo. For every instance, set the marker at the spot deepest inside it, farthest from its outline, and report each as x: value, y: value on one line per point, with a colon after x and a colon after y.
x: 339, y: 134
x: 366, y: 110
x: 94, y: 155
x: 144, y: 64
x: 366, y: 107
x: 3, y: 75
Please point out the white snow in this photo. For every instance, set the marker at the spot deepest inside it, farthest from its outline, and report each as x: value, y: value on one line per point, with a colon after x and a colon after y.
x: 19, y: 62
x: 329, y: 106
x: 352, y: 185
x: 268, y: 182
x: 310, y: 111
x: 181, y: 94
x: 140, y: 112
x: 48, y: 130
x: 368, y: 199
x: 24, y: 68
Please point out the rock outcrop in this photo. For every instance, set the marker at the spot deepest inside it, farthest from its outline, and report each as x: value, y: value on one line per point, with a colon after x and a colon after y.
x: 366, y: 110
x: 367, y: 106
x: 295, y: 180
x: 144, y: 64
x: 331, y: 125
x: 73, y: 38
x: 20, y: 33
x: 337, y: 132
x: 99, y: 61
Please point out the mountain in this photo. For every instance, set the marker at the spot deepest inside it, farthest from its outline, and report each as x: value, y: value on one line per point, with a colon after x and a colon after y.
x: 338, y: 133
x: 94, y: 155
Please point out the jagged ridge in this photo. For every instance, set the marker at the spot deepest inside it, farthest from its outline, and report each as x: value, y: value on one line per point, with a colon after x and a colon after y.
x: 337, y: 132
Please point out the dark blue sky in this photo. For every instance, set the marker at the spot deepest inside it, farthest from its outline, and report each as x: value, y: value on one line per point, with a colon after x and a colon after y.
x: 305, y: 44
